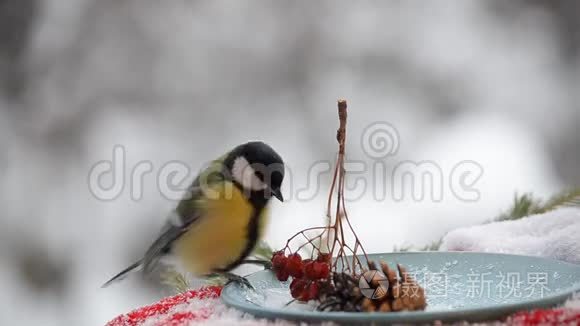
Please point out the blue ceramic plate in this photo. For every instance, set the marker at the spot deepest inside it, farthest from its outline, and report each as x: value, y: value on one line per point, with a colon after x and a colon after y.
x: 458, y: 286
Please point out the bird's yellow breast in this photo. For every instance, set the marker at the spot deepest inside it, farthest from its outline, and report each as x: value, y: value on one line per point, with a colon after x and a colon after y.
x: 221, y: 234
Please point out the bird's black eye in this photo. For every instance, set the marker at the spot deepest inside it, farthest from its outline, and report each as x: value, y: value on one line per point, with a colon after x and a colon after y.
x: 260, y: 175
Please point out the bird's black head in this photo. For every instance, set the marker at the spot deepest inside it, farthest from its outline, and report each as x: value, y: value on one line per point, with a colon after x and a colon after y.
x: 257, y: 169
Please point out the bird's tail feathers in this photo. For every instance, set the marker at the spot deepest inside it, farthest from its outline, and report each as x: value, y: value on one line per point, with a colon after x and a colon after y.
x: 122, y: 274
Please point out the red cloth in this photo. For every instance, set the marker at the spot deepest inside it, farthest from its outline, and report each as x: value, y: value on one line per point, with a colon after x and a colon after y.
x: 160, y: 309
x: 546, y: 317
x: 162, y: 312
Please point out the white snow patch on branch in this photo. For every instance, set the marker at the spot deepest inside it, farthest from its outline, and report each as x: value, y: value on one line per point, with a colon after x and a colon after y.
x: 555, y: 234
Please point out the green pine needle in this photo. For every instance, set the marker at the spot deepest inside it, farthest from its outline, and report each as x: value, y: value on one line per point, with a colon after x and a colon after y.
x: 526, y: 204
x: 523, y: 205
x: 569, y: 198
x: 263, y: 251
x: 216, y: 280
x: 175, y: 280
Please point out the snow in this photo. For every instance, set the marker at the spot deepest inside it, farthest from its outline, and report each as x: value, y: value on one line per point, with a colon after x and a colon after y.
x: 222, y: 315
x: 553, y: 235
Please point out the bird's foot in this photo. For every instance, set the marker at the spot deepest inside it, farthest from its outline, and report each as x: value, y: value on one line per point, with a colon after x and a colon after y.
x: 238, y: 279
x: 265, y: 263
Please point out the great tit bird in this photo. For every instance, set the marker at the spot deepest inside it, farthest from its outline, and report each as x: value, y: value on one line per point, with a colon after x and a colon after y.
x: 216, y: 226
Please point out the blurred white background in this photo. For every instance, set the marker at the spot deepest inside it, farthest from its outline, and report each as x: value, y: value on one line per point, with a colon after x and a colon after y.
x: 495, y: 82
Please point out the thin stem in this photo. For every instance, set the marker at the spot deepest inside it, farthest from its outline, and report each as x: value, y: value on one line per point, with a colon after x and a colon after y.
x: 332, y: 186
x: 336, y: 229
x: 328, y: 207
x: 355, y: 235
x: 302, y: 232
x: 310, y: 241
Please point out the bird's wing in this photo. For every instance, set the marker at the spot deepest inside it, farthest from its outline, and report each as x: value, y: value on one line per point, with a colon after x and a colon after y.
x: 162, y: 245
x: 188, y: 211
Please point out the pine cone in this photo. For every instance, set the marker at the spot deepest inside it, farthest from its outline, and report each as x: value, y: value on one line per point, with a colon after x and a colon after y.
x: 341, y: 294
x: 390, y: 292
x: 404, y: 293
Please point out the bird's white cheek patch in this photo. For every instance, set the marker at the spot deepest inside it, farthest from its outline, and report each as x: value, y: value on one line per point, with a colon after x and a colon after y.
x: 246, y: 175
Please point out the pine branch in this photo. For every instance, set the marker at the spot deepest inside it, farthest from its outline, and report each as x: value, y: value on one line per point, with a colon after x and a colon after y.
x: 263, y: 251
x: 569, y: 198
x: 216, y: 280
x: 523, y: 205
x: 175, y: 280
x: 526, y: 204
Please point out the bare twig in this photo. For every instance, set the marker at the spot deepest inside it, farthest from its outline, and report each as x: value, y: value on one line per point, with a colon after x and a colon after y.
x: 335, y: 230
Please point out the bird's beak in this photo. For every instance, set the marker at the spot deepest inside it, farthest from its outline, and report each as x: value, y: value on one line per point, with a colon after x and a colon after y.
x: 278, y: 194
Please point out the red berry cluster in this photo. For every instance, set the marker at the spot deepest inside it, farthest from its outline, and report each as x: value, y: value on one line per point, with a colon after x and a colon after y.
x: 307, y: 274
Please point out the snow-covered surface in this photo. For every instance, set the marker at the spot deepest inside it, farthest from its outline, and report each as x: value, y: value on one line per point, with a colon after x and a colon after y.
x: 555, y: 234
x: 225, y: 316
x: 222, y: 315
